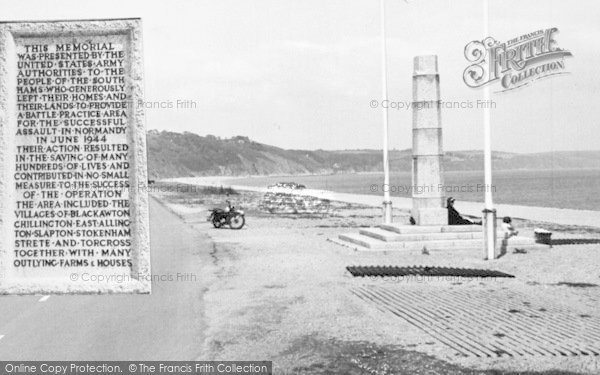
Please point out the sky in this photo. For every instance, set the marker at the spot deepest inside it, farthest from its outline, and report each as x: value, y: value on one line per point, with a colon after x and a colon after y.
x: 301, y: 74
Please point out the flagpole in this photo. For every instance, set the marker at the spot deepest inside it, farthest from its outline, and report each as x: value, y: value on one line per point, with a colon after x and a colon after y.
x: 489, y: 219
x: 387, y: 203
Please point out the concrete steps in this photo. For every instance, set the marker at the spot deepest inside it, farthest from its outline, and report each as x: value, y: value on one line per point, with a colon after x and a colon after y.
x: 390, y: 236
x: 413, y: 229
x: 368, y: 243
x: 396, y: 237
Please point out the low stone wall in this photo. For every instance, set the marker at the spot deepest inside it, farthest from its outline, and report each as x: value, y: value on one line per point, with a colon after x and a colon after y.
x: 284, y: 203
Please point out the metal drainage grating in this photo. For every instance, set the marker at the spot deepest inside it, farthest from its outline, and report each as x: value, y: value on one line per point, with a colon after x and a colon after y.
x: 481, y: 323
x: 422, y: 271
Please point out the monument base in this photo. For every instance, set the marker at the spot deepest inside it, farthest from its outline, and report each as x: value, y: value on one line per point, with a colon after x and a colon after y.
x: 430, y: 216
x: 398, y: 237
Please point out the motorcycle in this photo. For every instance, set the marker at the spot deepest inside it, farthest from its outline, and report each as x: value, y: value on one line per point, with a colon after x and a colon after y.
x: 228, y: 216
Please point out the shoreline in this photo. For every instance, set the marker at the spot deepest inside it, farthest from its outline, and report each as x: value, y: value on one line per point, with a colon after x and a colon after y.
x: 253, y: 176
x: 562, y: 216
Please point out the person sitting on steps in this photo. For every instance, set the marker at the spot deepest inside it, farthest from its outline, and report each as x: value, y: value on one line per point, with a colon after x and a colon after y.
x: 454, y: 218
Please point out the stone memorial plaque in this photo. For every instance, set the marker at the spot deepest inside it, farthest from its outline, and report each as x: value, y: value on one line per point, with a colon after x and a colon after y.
x: 73, y: 203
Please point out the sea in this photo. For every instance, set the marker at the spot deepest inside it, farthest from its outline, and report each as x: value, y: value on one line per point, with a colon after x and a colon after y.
x: 560, y: 188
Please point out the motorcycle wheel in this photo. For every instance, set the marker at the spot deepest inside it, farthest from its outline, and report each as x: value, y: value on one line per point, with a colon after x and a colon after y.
x: 216, y: 223
x: 237, y: 222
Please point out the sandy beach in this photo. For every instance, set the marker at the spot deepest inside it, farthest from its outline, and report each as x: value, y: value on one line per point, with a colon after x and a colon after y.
x: 568, y: 217
x: 279, y: 290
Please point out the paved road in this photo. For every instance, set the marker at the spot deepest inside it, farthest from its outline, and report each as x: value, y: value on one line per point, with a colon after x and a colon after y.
x: 166, y: 325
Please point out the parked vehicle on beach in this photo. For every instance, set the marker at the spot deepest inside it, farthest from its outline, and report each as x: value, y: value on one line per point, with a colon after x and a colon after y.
x: 230, y: 216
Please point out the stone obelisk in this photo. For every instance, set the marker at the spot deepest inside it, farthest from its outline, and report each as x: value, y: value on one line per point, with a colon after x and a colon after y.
x: 428, y: 195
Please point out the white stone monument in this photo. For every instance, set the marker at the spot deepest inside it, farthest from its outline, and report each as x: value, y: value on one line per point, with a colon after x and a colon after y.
x: 73, y: 203
x: 431, y: 232
x: 427, y: 198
